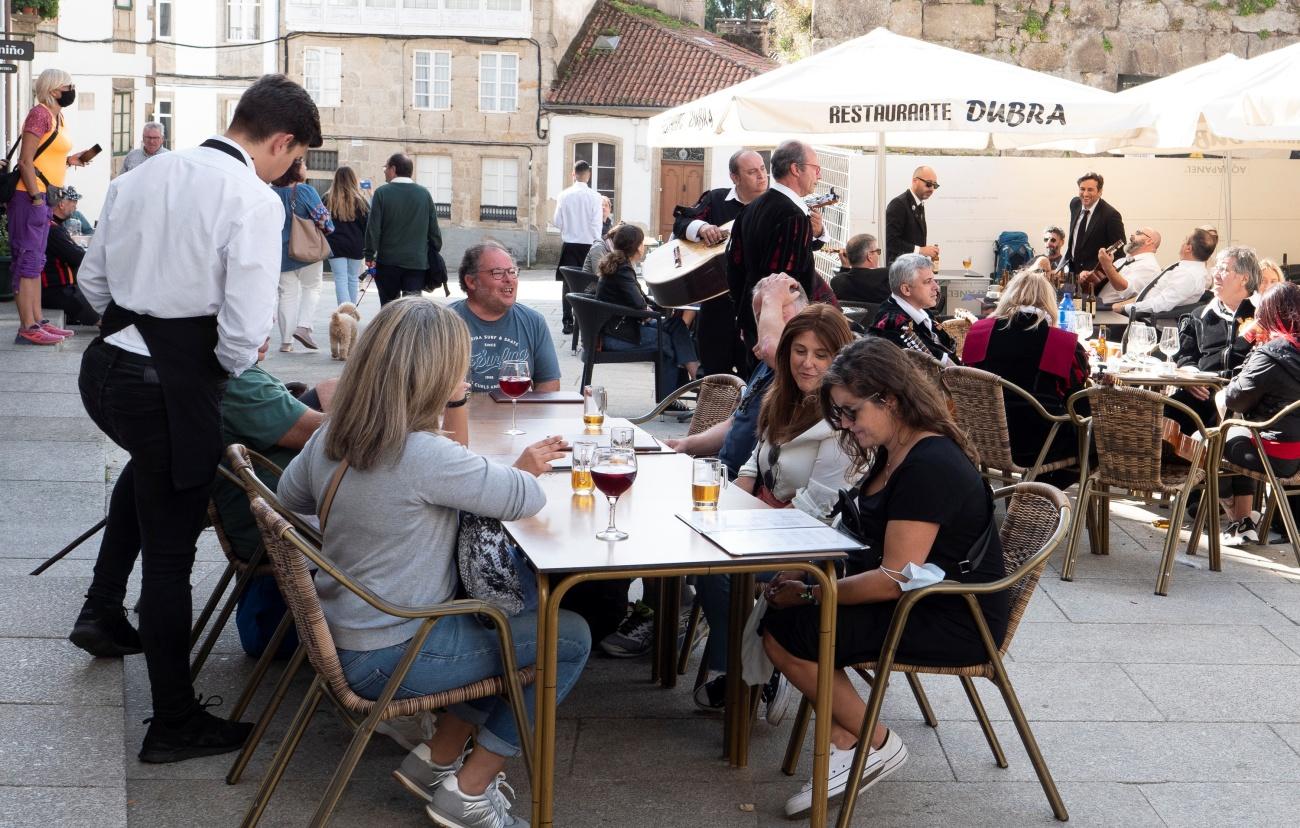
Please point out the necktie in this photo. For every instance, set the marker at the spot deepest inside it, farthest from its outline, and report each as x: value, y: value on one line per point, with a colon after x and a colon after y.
x: 1147, y: 289
x: 920, y: 219
x: 1079, y: 231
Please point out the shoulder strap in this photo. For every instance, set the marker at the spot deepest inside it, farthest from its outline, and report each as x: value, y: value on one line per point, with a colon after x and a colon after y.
x: 42, y: 148
x: 981, y: 546
x: 332, y: 489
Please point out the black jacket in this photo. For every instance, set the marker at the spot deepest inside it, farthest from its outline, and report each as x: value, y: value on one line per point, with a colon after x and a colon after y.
x: 905, y: 227
x: 1210, y: 342
x: 894, y: 324
x: 712, y: 208
x: 349, y: 238
x: 1105, y: 227
x: 622, y: 288
x: 861, y: 284
x: 1268, y: 382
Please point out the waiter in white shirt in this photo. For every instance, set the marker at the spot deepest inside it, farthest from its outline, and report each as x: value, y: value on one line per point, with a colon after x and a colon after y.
x: 184, y: 268
x: 1182, y: 283
x: 578, y: 215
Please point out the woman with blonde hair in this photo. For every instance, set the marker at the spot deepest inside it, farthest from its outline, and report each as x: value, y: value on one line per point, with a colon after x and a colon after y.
x: 44, y: 156
x: 349, y: 210
x: 1270, y: 276
x: 394, y: 527
x: 1022, y: 343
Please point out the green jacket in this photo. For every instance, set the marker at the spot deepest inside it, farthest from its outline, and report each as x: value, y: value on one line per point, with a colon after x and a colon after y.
x: 402, y: 225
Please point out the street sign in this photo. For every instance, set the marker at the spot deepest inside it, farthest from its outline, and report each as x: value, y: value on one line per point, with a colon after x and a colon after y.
x: 7, y: 68
x: 17, y: 50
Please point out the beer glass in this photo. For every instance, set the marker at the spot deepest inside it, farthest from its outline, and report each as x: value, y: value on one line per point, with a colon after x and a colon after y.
x: 594, y: 401
x: 707, y: 481
x: 621, y: 438
x: 584, y: 452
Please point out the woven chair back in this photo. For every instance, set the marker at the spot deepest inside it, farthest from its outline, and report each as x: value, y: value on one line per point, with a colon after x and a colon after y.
x: 1126, y: 429
x: 1033, y: 515
x: 719, y: 396
x: 981, y: 412
x: 957, y: 328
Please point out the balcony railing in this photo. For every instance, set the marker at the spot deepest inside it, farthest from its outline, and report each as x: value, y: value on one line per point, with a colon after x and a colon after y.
x: 443, y: 211
x: 490, y: 212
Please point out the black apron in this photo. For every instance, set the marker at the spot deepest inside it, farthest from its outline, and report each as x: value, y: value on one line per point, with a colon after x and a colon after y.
x: 183, y: 351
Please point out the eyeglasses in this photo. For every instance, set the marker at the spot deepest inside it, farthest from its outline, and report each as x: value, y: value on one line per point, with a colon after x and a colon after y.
x: 840, y: 413
x: 873, y: 251
x: 500, y: 273
x: 818, y: 167
x: 933, y: 185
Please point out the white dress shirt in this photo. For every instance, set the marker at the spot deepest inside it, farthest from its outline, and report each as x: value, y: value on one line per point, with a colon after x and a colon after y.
x: 196, y: 233
x: 1181, y: 286
x: 1139, y: 271
x: 800, y: 203
x: 577, y: 214
x: 693, y: 229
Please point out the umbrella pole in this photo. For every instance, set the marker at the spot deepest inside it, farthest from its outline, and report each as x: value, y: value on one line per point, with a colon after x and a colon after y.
x: 880, y: 188
x: 1227, y: 195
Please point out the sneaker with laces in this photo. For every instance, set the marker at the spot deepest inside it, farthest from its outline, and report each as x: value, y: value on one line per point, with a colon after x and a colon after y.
x: 36, y: 335
x: 104, y: 632
x: 49, y: 328
x: 420, y: 775
x: 633, y: 636
x: 1248, y: 527
x: 198, y: 734
x: 452, y: 808
x: 776, y: 695
x: 712, y: 694
x: 881, y: 762
x: 409, y: 731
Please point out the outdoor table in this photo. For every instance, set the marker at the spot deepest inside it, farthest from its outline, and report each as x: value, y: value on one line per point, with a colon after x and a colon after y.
x: 1107, y: 317
x: 1145, y: 378
x: 560, y: 542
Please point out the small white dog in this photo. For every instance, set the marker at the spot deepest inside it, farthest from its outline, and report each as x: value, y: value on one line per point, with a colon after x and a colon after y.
x: 343, y: 330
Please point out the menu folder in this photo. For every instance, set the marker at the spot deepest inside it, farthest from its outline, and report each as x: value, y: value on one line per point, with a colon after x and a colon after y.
x: 742, y: 532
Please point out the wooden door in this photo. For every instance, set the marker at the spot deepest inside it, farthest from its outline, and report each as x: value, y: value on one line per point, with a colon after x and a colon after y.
x: 680, y: 182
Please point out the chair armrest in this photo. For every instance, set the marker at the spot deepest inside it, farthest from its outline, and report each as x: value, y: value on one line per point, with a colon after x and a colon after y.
x: 667, y: 401
x: 1254, y: 425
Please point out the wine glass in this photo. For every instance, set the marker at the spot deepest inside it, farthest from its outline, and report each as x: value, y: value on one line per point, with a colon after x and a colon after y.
x: 1169, y: 346
x: 514, y: 379
x: 1141, y: 339
x: 1083, y: 325
x: 613, y: 471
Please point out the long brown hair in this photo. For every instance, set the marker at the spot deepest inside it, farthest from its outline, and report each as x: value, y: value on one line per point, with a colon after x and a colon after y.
x: 623, y: 245
x: 344, y: 199
x: 874, y: 366
x: 787, y: 411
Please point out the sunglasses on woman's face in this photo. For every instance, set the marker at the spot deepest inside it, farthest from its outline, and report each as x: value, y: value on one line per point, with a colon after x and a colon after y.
x: 840, y: 413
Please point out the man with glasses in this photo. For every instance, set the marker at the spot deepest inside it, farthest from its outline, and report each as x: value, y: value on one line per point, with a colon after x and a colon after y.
x: 1054, y: 247
x: 1131, y: 273
x: 401, y: 232
x: 905, y: 227
x: 499, y: 327
x: 1182, y: 283
x: 861, y: 278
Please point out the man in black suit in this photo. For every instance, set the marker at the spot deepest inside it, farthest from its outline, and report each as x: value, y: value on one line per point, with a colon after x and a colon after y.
x: 1094, y: 224
x: 777, y: 233
x: 719, y: 346
x: 861, y: 279
x: 905, y: 229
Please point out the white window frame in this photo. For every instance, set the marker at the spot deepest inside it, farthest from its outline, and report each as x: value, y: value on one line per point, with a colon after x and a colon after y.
x: 167, y: 119
x: 436, y: 91
x: 500, y: 182
x: 171, y: 19
x: 241, y: 17
x: 491, y: 87
x: 322, y: 75
x: 504, y: 5
x: 231, y: 105
x: 433, y: 172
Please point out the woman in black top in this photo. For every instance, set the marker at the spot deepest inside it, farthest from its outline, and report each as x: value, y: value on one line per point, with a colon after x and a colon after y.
x: 349, y: 209
x: 618, y: 285
x: 921, y: 501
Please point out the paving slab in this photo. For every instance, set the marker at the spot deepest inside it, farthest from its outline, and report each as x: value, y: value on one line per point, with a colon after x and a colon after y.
x: 58, y: 745
x: 1154, y: 644
x: 1210, y: 804
x: 50, y: 671
x: 43, y: 806
x: 52, y: 516
x: 49, y: 404
x: 39, y: 607
x: 29, y: 381
x: 76, y: 429
x: 1283, y: 597
x: 1221, y: 693
x: 1134, y: 602
x: 53, y: 461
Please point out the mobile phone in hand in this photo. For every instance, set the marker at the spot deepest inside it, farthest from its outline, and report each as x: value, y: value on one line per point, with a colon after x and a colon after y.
x: 91, y: 153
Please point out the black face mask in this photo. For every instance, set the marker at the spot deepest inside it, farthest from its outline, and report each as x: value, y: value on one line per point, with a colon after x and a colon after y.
x: 66, y: 98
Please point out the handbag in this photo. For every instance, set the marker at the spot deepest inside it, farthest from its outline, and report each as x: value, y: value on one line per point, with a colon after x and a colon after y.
x: 307, y: 243
x: 491, y: 567
x: 436, y: 276
x: 9, y: 178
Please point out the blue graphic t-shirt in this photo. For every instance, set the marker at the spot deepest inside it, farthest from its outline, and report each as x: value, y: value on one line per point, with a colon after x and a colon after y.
x: 520, y: 334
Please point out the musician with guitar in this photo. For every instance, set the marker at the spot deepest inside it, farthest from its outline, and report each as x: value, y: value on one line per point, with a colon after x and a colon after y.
x: 904, y: 318
x: 1094, y: 224
x: 720, y: 349
x: 1115, y: 279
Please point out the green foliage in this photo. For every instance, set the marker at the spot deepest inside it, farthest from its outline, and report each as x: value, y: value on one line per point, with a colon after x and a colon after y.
x: 4, y: 239
x: 791, y: 29
x: 1264, y: 34
x: 1248, y: 7
x: 46, y: 9
x: 1106, y: 44
x: 648, y: 13
x: 1214, y: 5
x: 742, y: 9
x: 977, y: 2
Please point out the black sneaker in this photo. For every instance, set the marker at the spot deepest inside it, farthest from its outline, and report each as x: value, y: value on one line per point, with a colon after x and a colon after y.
x: 567, y: 330
x: 200, y: 734
x: 712, y: 695
x: 104, y: 632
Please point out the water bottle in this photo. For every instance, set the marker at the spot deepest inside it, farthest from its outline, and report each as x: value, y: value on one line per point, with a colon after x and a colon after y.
x: 1067, y: 307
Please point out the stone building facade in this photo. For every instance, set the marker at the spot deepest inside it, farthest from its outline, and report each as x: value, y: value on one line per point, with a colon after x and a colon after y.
x: 1105, y: 43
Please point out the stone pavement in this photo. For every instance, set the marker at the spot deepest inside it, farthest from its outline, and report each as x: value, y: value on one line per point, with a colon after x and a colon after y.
x: 1182, y: 710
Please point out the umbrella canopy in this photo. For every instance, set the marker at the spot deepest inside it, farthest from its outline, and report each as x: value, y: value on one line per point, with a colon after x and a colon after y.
x: 1264, y: 104
x: 908, y: 92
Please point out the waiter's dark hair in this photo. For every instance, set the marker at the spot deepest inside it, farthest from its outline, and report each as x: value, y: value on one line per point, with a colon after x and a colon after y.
x: 1101, y: 182
x: 785, y: 156
x: 1204, y: 240
x: 273, y: 104
x: 623, y: 245
x: 857, y: 248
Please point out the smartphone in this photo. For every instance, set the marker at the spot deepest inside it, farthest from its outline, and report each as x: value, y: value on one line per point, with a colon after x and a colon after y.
x: 91, y: 153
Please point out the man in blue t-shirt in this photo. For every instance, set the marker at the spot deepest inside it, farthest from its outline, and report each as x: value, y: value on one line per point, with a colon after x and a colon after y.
x: 499, y: 328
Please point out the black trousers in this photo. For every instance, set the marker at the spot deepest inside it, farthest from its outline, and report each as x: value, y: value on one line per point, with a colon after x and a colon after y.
x: 392, y: 282
x: 68, y: 298
x: 572, y: 254
x: 716, y: 339
x: 146, y: 517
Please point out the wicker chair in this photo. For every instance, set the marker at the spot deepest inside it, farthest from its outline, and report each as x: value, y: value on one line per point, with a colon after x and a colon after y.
x: 957, y: 328
x: 1125, y: 428
x: 979, y: 399
x: 1036, y: 521
x: 293, y: 559
x: 717, y: 397
x: 1278, y: 488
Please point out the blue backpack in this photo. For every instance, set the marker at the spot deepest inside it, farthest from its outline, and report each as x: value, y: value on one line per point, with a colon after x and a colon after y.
x: 1011, y: 252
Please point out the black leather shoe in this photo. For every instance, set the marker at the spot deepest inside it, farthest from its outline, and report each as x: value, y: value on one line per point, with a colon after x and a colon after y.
x: 104, y: 632
x: 568, y: 329
x: 200, y: 734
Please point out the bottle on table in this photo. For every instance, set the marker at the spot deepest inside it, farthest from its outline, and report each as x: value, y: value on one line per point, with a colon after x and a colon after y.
x: 1067, y: 307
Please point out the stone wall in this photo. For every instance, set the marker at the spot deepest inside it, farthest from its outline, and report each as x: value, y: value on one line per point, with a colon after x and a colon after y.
x: 1093, y: 41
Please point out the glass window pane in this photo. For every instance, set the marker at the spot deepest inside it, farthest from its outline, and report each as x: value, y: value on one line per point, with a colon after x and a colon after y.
x: 582, y: 152
x: 604, y: 178
x: 606, y: 155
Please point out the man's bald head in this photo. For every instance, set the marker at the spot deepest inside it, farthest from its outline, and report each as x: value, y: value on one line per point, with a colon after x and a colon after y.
x: 924, y: 182
x: 748, y: 175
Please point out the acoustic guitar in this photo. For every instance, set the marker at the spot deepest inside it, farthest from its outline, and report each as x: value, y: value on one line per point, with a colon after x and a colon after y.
x: 681, y: 272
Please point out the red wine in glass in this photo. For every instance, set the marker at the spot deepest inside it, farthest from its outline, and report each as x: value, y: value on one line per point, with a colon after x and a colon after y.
x: 515, y: 387
x: 612, y: 482
x: 613, y: 471
x: 514, y: 377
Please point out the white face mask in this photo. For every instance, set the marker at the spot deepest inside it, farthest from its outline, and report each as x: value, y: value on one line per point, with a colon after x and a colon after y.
x: 915, y: 577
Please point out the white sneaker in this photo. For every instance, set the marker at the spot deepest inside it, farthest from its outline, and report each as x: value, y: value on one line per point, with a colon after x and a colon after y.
x: 409, y: 731
x: 419, y: 774
x: 777, y: 695
x: 881, y: 762
x: 451, y: 808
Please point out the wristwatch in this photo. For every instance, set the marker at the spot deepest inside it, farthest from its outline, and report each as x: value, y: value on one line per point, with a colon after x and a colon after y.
x: 38, y: 198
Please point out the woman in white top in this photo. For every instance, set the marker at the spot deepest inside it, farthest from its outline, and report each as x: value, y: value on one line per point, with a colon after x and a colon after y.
x: 797, y: 462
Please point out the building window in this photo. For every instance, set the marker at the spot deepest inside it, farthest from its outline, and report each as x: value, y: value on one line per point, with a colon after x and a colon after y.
x: 419, y: 4
x: 121, y: 4
x: 433, y: 172
x: 123, y: 109
x: 381, y: 4
x: 498, y: 82
x: 464, y: 5
x: 322, y: 75
x: 323, y: 161
x: 243, y: 19
x: 503, y: 5
x: 432, y: 80
x: 601, y: 157
x: 164, y: 117
x: 231, y: 105
x: 164, y: 18
x: 499, y: 199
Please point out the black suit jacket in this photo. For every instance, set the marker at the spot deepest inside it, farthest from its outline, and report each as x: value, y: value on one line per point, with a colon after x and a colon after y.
x: 713, y: 208
x: 904, y: 230
x: 1105, y: 227
x: 861, y: 284
x: 894, y: 323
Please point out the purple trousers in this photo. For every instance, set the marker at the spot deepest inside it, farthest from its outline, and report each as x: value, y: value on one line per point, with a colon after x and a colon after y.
x: 29, y: 228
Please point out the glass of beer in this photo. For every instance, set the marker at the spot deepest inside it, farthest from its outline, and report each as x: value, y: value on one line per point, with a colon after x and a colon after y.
x: 965, y: 263
x: 594, y: 400
x: 707, y: 481
x: 584, y: 452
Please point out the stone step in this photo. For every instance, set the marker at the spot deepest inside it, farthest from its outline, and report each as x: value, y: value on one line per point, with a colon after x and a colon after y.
x: 9, y: 317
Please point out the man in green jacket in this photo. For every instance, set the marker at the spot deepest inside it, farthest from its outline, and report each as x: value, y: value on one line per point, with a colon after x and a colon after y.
x: 401, y: 232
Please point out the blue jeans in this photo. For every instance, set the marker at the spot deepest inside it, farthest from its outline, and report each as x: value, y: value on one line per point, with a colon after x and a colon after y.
x: 347, y: 279
x: 676, y: 351
x: 460, y: 650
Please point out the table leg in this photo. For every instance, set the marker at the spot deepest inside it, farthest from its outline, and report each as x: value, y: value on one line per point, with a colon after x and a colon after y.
x: 822, y: 704
x: 656, y: 640
x: 543, y: 749
x: 736, y: 716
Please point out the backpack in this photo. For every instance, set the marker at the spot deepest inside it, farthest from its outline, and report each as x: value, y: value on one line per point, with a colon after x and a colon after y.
x: 1011, y: 252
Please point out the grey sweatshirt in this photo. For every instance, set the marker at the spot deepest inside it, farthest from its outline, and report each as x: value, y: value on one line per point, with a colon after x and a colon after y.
x: 393, y: 528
